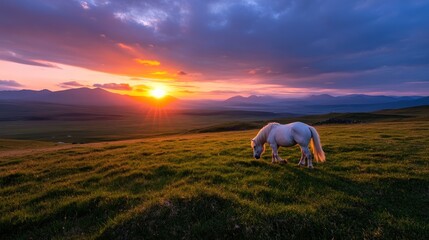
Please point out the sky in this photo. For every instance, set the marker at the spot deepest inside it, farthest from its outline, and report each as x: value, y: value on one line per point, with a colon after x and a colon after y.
x: 216, y: 49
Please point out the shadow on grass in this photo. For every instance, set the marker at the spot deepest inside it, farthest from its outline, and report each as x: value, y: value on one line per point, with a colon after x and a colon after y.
x: 342, y: 209
x: 378, y: 208
x: 280, y: 202
x: 204, y: 216
x: 71, y: 219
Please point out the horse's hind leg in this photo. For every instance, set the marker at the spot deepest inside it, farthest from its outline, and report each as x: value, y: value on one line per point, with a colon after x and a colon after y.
x: 307, y: 154
x: 302, y: 160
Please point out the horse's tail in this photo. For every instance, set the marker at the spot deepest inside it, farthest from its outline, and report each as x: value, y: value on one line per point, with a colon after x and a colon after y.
x: 319, y: 154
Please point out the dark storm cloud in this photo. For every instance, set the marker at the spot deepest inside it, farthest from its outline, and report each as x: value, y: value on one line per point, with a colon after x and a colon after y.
x: 323, y: 44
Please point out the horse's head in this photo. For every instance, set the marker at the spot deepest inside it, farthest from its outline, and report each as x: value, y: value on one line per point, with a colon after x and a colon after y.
x: 258, y: 149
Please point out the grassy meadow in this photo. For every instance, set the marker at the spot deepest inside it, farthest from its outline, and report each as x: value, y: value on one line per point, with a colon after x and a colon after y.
x: 374, y: 185
x: 85, y: 124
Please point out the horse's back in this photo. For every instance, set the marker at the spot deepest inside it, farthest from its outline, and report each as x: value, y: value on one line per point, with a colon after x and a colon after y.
x: 294, y: 127
x: 289, y: 134
x: 297, y: 126
x: 301, y: 132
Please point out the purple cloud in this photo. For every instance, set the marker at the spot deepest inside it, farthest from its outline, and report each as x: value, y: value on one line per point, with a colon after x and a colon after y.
x: 14, y: 57
x: 115, y: 86
x: 71, y: 84
x: 10, y: 83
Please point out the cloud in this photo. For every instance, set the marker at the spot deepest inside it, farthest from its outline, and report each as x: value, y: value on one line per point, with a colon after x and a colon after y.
x: 100, y: 41
x: 14, y: 57
x: 84, y: 5
x: 160, y: 73
x: 136, y: 78
x: 147, y: 62
x: 71, y: 84
x: 141, y: 88
x: 115, y: 86
x: 125, y: 46
x: 10, y: 84
x: 289, y: 43
x: 225, y: 92
x: 187, y: 91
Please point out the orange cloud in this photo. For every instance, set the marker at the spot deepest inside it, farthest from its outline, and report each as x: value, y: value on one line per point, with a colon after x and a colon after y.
x: 147, y: 62
x: 160, y: 73
x: 141, y: 88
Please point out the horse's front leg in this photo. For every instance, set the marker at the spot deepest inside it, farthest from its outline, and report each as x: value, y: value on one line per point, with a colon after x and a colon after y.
x: 275, y: 155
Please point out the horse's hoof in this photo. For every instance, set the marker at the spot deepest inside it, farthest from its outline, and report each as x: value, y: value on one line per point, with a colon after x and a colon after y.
x: 283, y: 162
x: 301, y: 165
x: 310, y: 167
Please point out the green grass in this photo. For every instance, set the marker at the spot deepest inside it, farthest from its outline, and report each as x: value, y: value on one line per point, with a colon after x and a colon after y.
x: 84, y: 124
x: 79, y: 124
x: 135, y: 125
x: 420, y: 113
x: 374, y: 185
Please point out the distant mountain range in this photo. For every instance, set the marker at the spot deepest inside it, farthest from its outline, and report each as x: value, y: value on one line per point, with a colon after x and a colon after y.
x: 324, y: 103
x: 307, y: 105
x: 323, y: 99
x: 77, y: 96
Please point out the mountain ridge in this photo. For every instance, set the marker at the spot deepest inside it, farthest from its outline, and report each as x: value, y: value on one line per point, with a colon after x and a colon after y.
x: 312, y: 104
x: 80, y: 96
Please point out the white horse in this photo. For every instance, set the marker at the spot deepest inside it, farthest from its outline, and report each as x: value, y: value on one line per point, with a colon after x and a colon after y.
x: 288, y: 135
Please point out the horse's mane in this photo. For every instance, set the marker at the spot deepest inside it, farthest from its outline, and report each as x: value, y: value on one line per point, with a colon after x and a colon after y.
x: 262, y: 135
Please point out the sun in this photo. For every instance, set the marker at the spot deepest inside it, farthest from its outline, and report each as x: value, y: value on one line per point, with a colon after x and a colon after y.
x: 158, y: 93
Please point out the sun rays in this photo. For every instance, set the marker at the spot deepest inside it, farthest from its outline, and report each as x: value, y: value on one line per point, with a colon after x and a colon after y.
x: 158, y: 92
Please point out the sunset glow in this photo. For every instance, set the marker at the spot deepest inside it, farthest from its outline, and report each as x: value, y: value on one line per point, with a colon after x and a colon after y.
x: 158, y: 93
x: 215, y: 49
